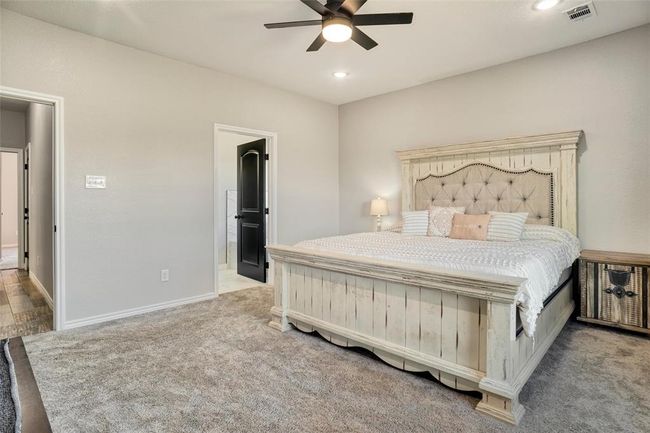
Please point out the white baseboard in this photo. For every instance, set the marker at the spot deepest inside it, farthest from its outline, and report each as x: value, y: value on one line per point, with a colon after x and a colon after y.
x: 136, y: 311
x: 41, y: 288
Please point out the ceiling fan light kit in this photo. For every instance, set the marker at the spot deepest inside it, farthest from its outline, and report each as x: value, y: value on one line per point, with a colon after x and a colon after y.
x: 337, y: 29
x: 339, y: 22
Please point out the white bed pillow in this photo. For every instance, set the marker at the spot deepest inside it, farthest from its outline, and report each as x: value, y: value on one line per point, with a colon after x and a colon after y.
x: 440, y: 219
x: 415, y: 223
x: 506, y: 226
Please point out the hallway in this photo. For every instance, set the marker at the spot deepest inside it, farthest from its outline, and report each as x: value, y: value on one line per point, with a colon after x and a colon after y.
x: 23, y: 309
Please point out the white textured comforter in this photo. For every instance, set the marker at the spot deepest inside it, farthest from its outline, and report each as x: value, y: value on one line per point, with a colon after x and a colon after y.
x: 541, y: 256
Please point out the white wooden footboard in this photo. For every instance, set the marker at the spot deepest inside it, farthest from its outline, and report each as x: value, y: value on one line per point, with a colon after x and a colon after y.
x: 460, y: 327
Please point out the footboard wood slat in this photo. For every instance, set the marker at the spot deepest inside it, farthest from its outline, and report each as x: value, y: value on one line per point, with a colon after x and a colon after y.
x: 449, y: 332
x: 413, y: 320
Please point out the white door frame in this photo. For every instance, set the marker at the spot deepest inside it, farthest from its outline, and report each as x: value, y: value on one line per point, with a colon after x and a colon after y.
x: 21, y: 204
x: 57, y: 193
x: 272, y: 176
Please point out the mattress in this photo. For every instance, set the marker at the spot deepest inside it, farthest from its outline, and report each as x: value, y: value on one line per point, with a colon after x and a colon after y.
x: 541, y: 257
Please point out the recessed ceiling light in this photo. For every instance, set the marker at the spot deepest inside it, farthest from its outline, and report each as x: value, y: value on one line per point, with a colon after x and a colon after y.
x: 542, y: 5
x: 340, y: 74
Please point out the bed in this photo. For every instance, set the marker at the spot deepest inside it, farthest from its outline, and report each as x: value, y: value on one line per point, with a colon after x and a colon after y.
x: 472, y: 315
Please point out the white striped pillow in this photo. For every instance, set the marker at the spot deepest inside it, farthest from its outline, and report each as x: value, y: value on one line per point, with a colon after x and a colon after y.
x: 507, y: 227
x: 415, y: 223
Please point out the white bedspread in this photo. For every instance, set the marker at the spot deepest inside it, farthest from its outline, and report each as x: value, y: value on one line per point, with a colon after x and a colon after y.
x: 541, y: 256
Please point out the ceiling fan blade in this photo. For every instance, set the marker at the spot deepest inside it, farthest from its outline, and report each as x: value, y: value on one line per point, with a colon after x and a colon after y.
x: 351, y: 6
x: 363, y: 39
x: 317, y: 6
x: 293, y: 24
x: 318, y: 42
x: 382, y: 19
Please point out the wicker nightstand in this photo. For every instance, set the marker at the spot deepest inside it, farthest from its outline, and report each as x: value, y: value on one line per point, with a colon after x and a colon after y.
x: 614, y: 289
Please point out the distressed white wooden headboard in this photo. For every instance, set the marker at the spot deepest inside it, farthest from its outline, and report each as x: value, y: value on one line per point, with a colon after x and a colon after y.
x: 537, y: 174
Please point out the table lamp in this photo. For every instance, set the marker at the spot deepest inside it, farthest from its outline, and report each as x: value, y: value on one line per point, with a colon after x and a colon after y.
x: 378, y: 208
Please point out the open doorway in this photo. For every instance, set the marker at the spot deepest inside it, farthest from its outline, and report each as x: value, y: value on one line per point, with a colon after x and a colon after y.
x: 27, y: 263
x: 244, y: 204
x: 11, y: 205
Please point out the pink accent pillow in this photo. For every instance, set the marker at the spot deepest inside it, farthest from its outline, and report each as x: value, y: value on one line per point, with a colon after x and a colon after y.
x: 469, y: 227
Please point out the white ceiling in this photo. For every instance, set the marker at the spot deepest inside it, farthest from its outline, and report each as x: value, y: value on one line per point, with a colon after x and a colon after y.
x: 446, y: 38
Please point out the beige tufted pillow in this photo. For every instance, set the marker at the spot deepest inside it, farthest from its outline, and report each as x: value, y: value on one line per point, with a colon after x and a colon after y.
x: 440, y: 219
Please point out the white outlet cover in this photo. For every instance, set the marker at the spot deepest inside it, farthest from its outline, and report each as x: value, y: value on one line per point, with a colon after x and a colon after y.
x: 164, y: 275
x: 95, y: 182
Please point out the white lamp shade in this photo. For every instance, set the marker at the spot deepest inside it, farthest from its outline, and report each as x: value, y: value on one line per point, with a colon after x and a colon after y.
x: 378, y: 207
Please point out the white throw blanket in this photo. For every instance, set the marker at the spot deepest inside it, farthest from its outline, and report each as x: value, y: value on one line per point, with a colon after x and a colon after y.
x: 541, y: 256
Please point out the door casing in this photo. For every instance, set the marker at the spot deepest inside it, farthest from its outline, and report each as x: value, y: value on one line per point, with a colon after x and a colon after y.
x: 272, y: 197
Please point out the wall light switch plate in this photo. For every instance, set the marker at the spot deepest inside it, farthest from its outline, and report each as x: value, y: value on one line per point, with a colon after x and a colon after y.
x: 164, y: 275
x: 95, y: 182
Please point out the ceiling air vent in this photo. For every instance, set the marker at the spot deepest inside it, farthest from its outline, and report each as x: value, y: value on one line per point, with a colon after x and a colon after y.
x: 581, y: 12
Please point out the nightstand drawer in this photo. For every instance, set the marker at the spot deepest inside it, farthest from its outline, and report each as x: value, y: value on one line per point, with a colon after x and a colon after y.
x: 605, y: 300
x: 614, y: 290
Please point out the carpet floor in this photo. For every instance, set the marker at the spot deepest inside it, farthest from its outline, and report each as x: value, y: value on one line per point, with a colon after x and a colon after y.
x: 216, y: 366
x: 7, y: 404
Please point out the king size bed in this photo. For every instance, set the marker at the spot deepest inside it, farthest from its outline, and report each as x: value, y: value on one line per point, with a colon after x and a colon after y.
x: 477, y: 315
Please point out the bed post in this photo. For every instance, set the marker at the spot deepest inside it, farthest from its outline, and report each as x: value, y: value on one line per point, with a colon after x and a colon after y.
x: 279, y: 319
x: 500, y: 396
x: 407, y: 193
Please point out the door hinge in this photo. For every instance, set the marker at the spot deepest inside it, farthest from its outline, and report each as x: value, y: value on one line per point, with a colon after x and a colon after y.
x: 26, y: 166
x: 266, y: 211
x: 266, y: 265
x: 26, y: 254
x: 266, y: 156
x: 54, y: 229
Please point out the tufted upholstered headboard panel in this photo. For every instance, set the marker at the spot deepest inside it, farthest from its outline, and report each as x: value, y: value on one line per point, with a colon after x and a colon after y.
x: 534, y: 174
x: 481, y: 188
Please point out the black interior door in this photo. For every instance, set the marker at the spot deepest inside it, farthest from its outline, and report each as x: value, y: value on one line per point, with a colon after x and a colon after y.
x: 251, y: 210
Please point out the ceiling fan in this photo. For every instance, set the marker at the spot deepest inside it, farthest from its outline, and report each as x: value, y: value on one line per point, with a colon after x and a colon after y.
x: 339, y: 22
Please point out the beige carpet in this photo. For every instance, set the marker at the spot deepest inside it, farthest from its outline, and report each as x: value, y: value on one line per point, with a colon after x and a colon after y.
x: 216, y: 367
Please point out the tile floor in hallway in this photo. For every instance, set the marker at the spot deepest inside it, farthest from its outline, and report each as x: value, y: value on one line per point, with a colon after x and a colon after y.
x: 23, y: 309
x: 9, y: 258
x: 230, y: 281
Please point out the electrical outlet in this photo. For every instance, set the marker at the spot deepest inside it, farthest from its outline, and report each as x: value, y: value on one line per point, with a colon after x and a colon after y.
x: 164, y: 275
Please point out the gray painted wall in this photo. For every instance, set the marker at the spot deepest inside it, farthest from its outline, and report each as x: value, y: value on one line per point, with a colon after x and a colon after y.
x: 39, y: 137
x: 12, y: 129
x: 146, y: 122
x: 602, y: 87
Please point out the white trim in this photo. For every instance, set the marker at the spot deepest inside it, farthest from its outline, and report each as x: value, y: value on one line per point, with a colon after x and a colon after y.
x: 100, y: 318
x: 21, y: 205
x: 272, y: 175
x: 41, y: 288
x: 58, y: 193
